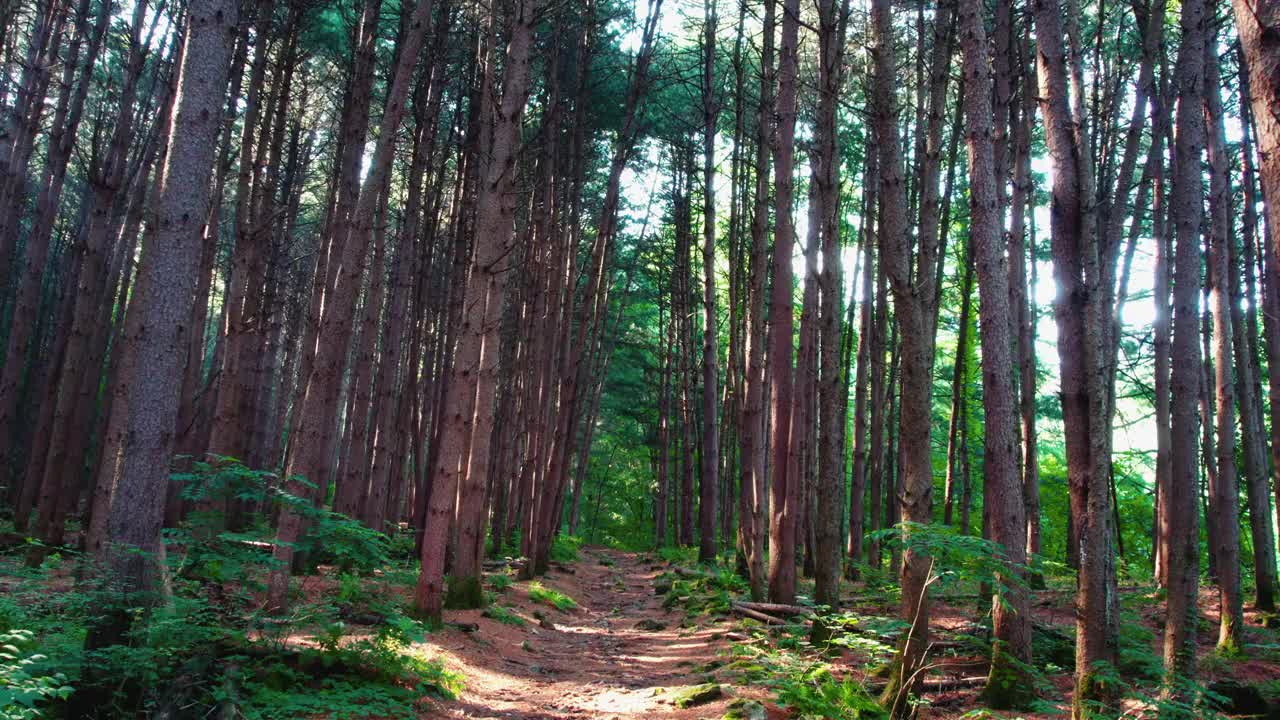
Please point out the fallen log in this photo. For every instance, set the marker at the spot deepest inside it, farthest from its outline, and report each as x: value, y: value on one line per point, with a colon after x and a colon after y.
x: 778, y: 609
x: 935, y: 685
x: 757, y: 615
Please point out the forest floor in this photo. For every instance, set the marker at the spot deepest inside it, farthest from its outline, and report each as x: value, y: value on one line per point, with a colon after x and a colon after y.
x: 624, y: 653
x: 612, y: 635
x: 588, y: 662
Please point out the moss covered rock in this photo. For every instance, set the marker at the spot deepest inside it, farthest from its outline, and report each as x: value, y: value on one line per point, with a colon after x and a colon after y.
x: 697, y: 695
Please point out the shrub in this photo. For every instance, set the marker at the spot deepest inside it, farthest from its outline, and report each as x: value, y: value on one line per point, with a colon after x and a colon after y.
x: 24, y: 685
x: 542, y: 594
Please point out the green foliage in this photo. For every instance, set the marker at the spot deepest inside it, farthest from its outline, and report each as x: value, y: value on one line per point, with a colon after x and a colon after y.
x: 500, y: 582
x: 703, y: 591
x: 1136, y: 659
x: 564, y: 548
x: 814, y: 693
x: 24, y: 685
x: 864, y: 634
x: 958, y: 559
x: 377, y: 676
x: 206, y: 641
x: 805, y: 687
x: 678, y: 555
x: 542, y: 594
x: 504, y: 615
x: 331, y: 538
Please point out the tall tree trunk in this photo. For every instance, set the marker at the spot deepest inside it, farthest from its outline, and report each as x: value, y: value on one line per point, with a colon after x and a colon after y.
x: 1221, y: 262
x: 754, y: 421
x: 1080, y: 319
x: 959, y: 389
x: 832, y: 20
x: 710, y: 481
x: 1008, y: 685
x: 1249, y: 388
x: 913, y: 308
x: 1179, y: 497
x: 861, y: 383
x: 139, y: 473
x: 785, y: 496
x: 473, y: 376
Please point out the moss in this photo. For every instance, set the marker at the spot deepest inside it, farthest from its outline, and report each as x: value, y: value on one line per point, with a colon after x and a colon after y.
x: 464, y: 593
x: 1095, y: 695
x: 1010, y: 685
x: 1229, y: 646
x: 743, y: 709
x: 698, y: 695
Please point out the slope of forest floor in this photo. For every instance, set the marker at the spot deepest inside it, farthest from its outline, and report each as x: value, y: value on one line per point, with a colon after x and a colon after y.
x: 628, y: 651
x: 618, y: 654
x: 609, y: 635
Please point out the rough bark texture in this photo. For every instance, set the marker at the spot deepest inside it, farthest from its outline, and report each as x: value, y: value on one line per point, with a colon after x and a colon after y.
x: 829, y: 508
x: 1008, y: 685
x: 473, y: 380
x: 913, y: 305
x: 1081, y: 321
x: 1226, y: 492
x: 710, y: 481
x: 139, y: 472
x: 784, y: 491
x: 1178, y: 508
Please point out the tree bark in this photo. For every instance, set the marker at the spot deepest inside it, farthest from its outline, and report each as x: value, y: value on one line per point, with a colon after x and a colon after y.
x: 1008, y: 685
x: 710, y: 480
x: 1179, y: 498
x: 785, y: 495
x: 1081, y: 318
x: 1221, y: 262
x: 140, y: 471
x: 473, y: 377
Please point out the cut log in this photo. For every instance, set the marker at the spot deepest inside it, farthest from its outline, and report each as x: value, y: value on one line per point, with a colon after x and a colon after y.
x: 778, y: 609
x: 936, y: 685
x: 757, y: 615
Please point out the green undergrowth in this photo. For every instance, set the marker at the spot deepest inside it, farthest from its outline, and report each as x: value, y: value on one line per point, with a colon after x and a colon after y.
x: 540, y: 593
x: 503, y: 615
x: 203, y: 646
x: 700, y: 590
x: 801, y: 682
x: 565, y: 548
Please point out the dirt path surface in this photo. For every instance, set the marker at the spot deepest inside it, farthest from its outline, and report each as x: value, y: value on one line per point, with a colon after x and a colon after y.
x: 594, y: 662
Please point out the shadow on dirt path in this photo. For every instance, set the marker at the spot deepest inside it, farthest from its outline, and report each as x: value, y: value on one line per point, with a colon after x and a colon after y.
x: 591, y: 662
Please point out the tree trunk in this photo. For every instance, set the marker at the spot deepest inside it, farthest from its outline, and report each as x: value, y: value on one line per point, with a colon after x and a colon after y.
x: 754, y: 421
x: 1227, y: 488
x: 1179, y: 497
x: 473, y: 381
x: 710, y: 480
x: 140, y: 472
x: 913, y: 308
x: 1081, y: 321
x: 1249, y: 388
x: 785, y: 495
x: 833, y: 18
x: 1008, y: 685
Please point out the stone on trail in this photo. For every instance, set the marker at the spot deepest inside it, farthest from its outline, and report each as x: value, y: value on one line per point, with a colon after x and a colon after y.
x: 744, y: 709
x: 650, y: 625
x: 698, y: 695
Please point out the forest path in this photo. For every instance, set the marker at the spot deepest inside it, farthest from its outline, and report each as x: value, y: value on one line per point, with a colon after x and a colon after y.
x: 594, y: 663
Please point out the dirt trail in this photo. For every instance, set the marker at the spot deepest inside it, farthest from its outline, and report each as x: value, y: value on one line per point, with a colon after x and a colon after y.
x: 594, y: 663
